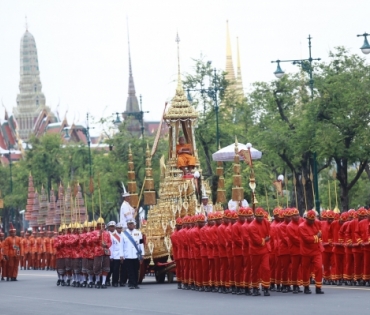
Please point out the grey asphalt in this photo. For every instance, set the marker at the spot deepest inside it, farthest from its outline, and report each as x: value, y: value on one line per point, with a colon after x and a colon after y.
x: 36, y: 293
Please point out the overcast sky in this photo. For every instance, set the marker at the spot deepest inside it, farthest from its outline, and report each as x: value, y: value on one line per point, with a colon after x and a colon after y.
x: 83, y: 54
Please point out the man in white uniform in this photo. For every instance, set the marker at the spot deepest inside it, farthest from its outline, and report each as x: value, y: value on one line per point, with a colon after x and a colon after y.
x: 116, y: 256
x: 133, y: 252
x: 207, y: 208
x: 234, y: 205
x: 127, y: 212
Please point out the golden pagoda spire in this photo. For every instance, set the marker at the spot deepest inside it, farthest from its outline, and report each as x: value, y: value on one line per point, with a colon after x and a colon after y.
x: 230, y: 74
x: 239, y: 81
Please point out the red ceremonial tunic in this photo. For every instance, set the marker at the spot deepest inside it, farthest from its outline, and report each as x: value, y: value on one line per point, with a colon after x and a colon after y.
x: 338, y: 247
x: 222, y: 240
x: 98, y: 240
x: 237, y: 238
x: 283, y: 239
x: 257, y: 234
x: 203, y: 241
x: 310, y: 244
x: 294, y: 239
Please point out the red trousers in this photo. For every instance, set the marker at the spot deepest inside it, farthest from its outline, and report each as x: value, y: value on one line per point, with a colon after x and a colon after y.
x: 27, y: 261
x: 231, y: 270
x: 273, y: 267
x: 309, y: 262
x: 217, y: 273
x: 327, y: 262
x: 224, y: 274
x: 13, y: 264
x: 48, y: 260
x: 179, y: 270
x: 211, y: 272
x: 296, y: 269
x: 205, y: 271
x: 285, y: 263
x: 35, y: 262
x: 339, y: 266
x: 247, y: 280
x: 260, y: 268
x: 366, y: 272
x: 277, y: 269
x: 198, y: 272
x: 358, y: 262
x: 186, y: 266
x: 238, y: 271
x: 4, y: 271
x: 348, y: 268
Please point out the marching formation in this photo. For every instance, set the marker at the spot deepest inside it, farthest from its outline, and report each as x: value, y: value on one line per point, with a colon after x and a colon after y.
x: 240, y: 251
x: 83, y: 255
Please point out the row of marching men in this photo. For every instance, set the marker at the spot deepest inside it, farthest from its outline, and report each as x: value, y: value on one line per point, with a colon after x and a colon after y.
x: 35, y: 250
x: 239, y: 251
x: 91, y: 256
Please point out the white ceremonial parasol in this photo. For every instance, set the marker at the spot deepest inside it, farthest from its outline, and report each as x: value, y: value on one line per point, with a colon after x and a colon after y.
x: 227, y: 153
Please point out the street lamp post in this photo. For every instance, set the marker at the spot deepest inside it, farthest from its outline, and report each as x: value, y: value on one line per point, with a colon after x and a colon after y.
x: 212, y: 92
x: 137, y: 115
x: 306, y: 65
x: 365, y: 47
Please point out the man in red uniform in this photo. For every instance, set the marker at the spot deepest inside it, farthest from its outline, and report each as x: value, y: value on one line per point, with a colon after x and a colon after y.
x: 294, y: 248
x: 274, y: 249
x: 90, y: 247
x: 354, y: 241
x: 259, y: 249
x: 363, y: 232
x: 2, y: 259
x: 13, y: 251
x: 185, y: 252
x: 35, y: 262
x: 247, y: 280
x: 233, y: 216
x: 21, y: 261
x: 177, y: 252
x: 209, y: 251
x: 222, y: 249
x: 311, y: 251
x: 343, y: 239
x: 41, y: 249
x: 283, y: 250
x: 216, y: 251
x: 338, y: 248
x: 59, y: 255
x: 188, y: 238
x: 27, y: 246
x: 199, y: 221
x: 237, y: 243
x: 327, y: 242
x: 205, y: 285
x: 103, y: 242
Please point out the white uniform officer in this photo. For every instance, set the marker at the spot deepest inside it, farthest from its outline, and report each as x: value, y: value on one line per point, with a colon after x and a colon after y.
x: 116, y: 256
x: 127, y: 212
x: 133, y: 251
x: 233, y: 205
x: 206, y: 207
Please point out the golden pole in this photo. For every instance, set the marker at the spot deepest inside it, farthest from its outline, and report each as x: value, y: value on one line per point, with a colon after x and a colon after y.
x: 267, y: 200
x: 329, y: 195
x: 304, y: 189
x: 287, y: 191
x: 313, y: 190
x: 138, y: 202
x: 295, y: 190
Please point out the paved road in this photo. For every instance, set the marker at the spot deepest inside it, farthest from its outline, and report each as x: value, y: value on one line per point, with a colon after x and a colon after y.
x: 36, y: 293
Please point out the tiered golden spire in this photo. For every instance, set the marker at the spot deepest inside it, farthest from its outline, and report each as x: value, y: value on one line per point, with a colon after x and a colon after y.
x: 237, y: 190
x: 180, y: 106
x: 131, y: 185
x: 149, y: 193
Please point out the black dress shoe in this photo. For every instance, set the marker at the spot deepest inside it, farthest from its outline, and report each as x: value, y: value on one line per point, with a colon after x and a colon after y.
x: 97, y: 285
x: 84, y: 284
x: 367, y: 284
x: 131, y: 287
x: 256, y: 292
x: 107, y: 283
x: 307, y: 290
x: 73, y: 283
x: 319, y: 291
x: 272, y: 287
x: 248, y: 291
x: 58, y: 282
x: 266, y: 292
x: 90, y: 285
x: 285, y: 289
x: 62, y: 283
x: 179, y: 285
x: 115, y: 285
x: 2, y: 279
x: 137, y: 287
x: 103, y: 286
x: 295, y: 289
x: 220, y: 290
x: 122, y: 285
x: 278, y: 288
x: 68, y: 283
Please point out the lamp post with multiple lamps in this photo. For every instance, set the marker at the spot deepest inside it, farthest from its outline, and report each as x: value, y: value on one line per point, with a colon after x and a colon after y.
x: 137, y: 115
x: 306, y: 65
x: 212, y: 92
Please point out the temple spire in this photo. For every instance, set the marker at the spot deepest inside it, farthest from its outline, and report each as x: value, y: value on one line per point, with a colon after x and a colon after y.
x: 239, y: 81
x: 132, y: 104
x: 229, y: 59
